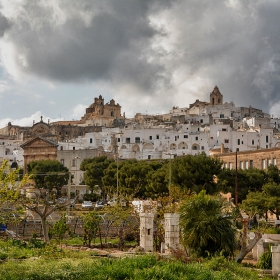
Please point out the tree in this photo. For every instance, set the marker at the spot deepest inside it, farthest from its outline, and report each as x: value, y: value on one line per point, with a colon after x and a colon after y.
x: 245, y: 246
x: 109, y: 180
x: 255, y: 203
x: 133, y: 177
x: 266, y: 200
x: 60, y: 228
x: 196, y: 172
x: 207, y: 225
x: 273, y: 174
x: 48, y: 174
x: 91, y: 226
x: 158, y: 182
x: 271, y: 192
x: 94, y: 170
x: 248, y: 180
x: 121, y: 218
x: 10, y: 187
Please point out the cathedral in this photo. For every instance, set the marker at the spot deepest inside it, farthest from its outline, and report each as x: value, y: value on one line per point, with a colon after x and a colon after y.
x: 97, y: 115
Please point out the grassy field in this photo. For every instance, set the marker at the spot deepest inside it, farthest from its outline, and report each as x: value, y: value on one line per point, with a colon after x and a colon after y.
x: 33, y: 261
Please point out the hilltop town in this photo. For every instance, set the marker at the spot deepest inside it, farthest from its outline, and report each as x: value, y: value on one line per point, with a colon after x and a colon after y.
x: 214, y: 127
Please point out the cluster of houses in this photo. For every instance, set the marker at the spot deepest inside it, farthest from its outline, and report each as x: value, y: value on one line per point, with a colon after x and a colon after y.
x: 215, y: 128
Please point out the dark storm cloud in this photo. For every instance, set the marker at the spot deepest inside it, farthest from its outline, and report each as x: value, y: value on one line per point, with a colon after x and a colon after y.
x: 111, y: 42
x: 4, y: 25
x: 235, y: 46
x: 155, y: 46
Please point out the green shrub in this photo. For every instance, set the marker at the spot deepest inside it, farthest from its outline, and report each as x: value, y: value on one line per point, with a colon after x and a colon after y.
x: 265, y: 261
x: 3, y: 255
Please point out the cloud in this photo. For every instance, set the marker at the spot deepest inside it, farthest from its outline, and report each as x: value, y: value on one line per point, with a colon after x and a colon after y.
x: 4, y: 25
x: 27, y: 121
x: 87, y: 40
x: 78, y: 111
x: 3, y: 86
x: 148, y: 55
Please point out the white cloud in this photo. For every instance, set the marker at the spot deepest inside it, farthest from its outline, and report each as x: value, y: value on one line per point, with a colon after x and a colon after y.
x: 78, y: 111
x: 275, y: 110
x: 27, y: 121
x: 4, y: 86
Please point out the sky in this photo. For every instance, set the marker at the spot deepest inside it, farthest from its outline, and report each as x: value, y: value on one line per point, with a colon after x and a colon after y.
x: 56, y: 56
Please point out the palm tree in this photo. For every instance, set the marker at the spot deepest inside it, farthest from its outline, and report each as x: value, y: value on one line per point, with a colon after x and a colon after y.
x: 207, y: 225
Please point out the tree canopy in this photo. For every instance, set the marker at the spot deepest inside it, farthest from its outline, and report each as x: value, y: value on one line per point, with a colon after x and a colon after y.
x: 94, y: 170
x: 196, y: 172
x: 251, y: 179
x: 48, y: 174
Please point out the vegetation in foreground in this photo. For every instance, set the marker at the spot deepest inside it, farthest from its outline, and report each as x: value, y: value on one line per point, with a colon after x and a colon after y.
x: 52, y: 262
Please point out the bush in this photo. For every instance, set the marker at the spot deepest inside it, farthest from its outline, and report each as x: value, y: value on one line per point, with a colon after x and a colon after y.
x: 265, y: 261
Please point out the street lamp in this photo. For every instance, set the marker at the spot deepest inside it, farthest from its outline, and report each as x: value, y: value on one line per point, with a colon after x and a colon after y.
x: 170, y: 169
x: 69, y: 183
x: 117, y: 157
x: 116, y: 152
x: 236, y: 180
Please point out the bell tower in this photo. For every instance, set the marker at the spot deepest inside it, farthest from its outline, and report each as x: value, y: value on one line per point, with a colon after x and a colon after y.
x: 216, y: 98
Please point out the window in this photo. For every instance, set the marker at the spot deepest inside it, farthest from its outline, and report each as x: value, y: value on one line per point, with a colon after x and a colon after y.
x: 61, y: 148
x: 202, y: 147
x: 224, y: 129
x: 241, y: 165
x: 73, y: 148
x: 246, y: 164
x: 119, y: 139
x: 201, y: 120
x: 149, y: 156
x: 266, y: 138
x: 268, y: 162
x: 230, y: 165
x: 137, y: 139
x: 90, y: 140
x: 242, y: 142
x: 151, y: 137
x: 238, y: 141
x: 185, y: 136
x: 73, y: 163
x: 198, y: 129
x: 253, y: 142
x: 226, y: 141
x: 196, y: 138
x: 62, y: 161
x: 222, y: 116
x: 157, y: 136
x: 263, y: 164
x: 274, y: 161
x: 225, y: 166
x: 251, y: 163
x: 127, y: 140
